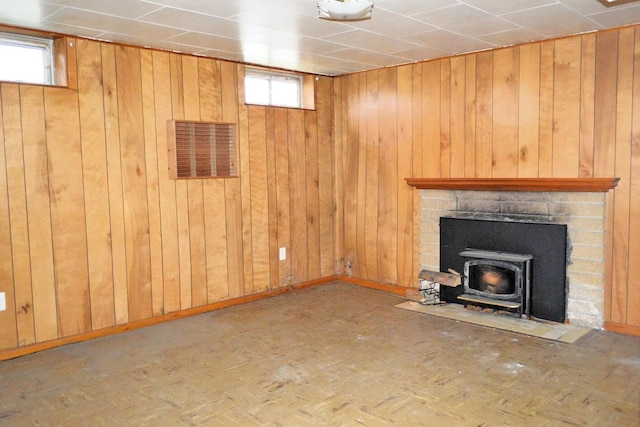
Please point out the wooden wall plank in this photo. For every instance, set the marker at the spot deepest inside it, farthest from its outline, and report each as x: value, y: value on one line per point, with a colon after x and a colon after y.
x: 312, y: 201
x: 259, y: 198
x: 95, y: 180
x: 153, y: 185
x: 445, y: 117
x: 566, y: 112
x: 282, y: 193
x: 214, y: 197
x: 404, y: 230
x: 505, y: 113
x: 9, y: 331
x: 387, y: 229
x: 272, y: 196
x: 604, y: 135
x: 622, y: 194
x: 416, y: 164
x: 134, y: 182
x: 484, y: 114
x: 197, y: 244
x: 372, y: 149
x: 297, y: 196
x: 39, y: 212
x: 326, y: 176
x: 18, y: 213
x: 338, y: 142
x: 114, y: 174
x: 529, y: 110
x: 360, y: 261
x: 431, y: 106
x: 458, y: 111
x: 545, y: 145
x: 166, y: 186
x: 233, y: 202
x: 67, y: 211
x: 181, y: 195
x: 245, y: 182
x: 351, y: 173
x: 347, y: 171
x: 587, y: 104
x: 470, y: 117
x: 633, y: 296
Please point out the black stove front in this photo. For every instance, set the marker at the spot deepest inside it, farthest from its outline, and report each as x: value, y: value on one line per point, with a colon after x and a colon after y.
x: 517, y: 266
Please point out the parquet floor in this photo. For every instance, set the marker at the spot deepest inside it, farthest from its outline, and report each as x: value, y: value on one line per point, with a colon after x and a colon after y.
x: 332, y: 355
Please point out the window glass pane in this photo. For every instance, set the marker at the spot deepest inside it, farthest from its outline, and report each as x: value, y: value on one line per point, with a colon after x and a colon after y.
x: 26, y: 59
x: 273, y: 88
x: 285, y: 93
x: 23, y: 63
x: 256, y: 90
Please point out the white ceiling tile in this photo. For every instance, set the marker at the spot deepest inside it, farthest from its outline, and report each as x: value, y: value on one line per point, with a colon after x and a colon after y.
x: 207, y: 41
x: 393, y: 24
x: 412, y: 7
x: 49, y: 26
x: 30, y: 10
x: 123, y: 8
x: 421, y: 53
x: 367, y: 57
x: 221, y: 8
x: 586, y: 7
x: 371, y: 41
x: 553, y: 20
x: 285, y: 40
x: 112, y: 24
x: 511, y: 37
x: 465, y: 20
x: 616, y: 17
x: 193, y: 21
x: 499, y: 7
x: 448, y: 42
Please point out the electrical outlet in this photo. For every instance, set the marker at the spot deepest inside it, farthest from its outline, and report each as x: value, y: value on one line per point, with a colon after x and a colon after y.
x: 283, y: 254
x: 3, y: 302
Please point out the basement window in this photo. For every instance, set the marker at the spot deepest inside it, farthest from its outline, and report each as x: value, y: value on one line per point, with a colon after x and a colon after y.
x: 263, y: 87
x: 202, y: 149
x: 26, y: 59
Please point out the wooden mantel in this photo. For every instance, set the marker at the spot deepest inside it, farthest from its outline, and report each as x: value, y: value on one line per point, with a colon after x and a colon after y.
x: 585, y: 185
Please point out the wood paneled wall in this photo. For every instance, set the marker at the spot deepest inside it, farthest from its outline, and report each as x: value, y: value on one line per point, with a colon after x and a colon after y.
x: 563, y: 108
x: 94, y: 234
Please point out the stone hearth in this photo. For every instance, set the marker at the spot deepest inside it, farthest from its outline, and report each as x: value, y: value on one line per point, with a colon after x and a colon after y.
x: 583, y: 213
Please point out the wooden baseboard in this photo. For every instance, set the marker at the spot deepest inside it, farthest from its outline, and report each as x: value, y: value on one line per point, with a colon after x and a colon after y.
x: 621, y: 328
x: 385, y: 287
x: 34, y: 348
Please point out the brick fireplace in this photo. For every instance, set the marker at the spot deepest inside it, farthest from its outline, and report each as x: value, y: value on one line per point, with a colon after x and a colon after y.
x: 582, y: 212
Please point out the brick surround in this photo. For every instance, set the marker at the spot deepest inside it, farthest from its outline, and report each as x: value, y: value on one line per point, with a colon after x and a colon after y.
x: 584, y: 214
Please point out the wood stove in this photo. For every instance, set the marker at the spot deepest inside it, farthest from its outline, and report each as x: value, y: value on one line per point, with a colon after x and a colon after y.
x: 497, y: 279
x: 533, y: 255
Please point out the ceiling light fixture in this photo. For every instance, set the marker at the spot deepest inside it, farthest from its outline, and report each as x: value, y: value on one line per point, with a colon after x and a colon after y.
x: 345, y: 10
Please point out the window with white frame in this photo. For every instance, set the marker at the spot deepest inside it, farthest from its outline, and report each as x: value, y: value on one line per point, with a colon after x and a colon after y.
x: 26, y: 59
x: 264, y: 87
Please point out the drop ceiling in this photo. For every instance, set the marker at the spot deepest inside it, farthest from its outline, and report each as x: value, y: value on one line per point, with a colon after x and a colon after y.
x: 288, y: 34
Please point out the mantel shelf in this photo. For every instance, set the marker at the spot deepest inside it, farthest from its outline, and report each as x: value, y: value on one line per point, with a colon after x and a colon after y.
x: 584, y: 185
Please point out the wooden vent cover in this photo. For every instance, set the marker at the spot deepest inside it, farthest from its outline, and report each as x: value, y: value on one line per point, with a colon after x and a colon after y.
x: 202, y: 149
